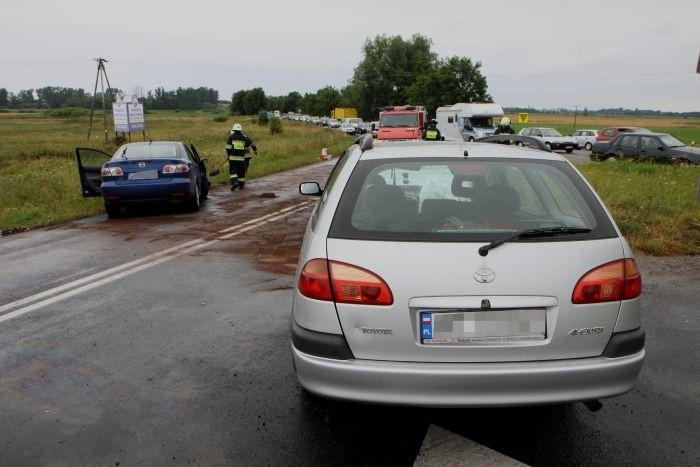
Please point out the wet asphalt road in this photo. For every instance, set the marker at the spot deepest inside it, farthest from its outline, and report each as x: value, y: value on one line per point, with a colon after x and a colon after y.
x: 184, y: 358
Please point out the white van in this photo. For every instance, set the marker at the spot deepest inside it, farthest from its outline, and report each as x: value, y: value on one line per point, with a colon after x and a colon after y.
x: 468, y: 121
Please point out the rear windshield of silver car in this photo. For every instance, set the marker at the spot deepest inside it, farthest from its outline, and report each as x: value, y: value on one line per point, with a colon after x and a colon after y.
x: 466, y: 200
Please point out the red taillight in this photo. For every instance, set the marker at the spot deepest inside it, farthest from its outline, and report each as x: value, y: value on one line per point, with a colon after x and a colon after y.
x: 111, y: 172
x: 176, y: 169
x: 330, y: 280
x: 619, y: 280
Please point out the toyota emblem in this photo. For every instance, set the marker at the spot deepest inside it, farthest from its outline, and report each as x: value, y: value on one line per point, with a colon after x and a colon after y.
x: 142, y: 164
x: 484, y: 275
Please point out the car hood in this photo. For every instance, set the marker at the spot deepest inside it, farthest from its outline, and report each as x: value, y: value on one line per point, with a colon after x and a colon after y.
x: 692, y: 153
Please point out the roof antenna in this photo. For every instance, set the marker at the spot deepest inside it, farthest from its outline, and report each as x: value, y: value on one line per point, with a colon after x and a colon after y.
x: 466, y: 153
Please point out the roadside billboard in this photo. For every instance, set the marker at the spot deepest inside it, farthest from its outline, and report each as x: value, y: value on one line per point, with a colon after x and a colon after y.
x: 128, y: 115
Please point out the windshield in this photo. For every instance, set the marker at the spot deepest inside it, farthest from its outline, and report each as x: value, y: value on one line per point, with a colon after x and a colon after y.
x: 479, y: 122
x: 398, y: 120
x: 550, y: 132
x: 467, y: 200
x: 671, y: 141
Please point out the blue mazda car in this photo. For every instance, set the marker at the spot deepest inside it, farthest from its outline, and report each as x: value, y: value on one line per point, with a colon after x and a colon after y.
x: 144, y: 173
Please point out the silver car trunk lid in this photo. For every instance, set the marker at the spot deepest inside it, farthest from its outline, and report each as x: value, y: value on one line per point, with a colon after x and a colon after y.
x: 512, y: 305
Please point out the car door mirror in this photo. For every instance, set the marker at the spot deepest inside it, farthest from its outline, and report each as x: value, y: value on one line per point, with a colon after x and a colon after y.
x: 310, y: 189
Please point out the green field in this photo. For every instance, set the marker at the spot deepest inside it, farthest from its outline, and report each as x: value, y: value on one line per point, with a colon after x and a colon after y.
x: 654, y: 205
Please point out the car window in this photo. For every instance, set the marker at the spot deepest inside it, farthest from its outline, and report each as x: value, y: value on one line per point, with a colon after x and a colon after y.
x: 550, y: 132
x: 628, y: 141
x: 455, y: 200
x: 670, y: 141
x: 648, y: 142
x: 157, y: 151
x: 608, y: 132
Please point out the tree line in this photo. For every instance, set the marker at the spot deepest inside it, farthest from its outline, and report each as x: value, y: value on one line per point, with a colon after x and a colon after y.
x: 393, y: 71
x: 59, y: 97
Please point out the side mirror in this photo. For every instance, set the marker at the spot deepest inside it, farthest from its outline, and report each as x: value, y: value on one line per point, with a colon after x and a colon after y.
x: 310, y: 189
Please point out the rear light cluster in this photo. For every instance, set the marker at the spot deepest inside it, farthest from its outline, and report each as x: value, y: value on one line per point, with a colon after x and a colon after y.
x: 321, y: 279
x: 111, y: 172
x: 619, y: 280
x: 176, y: 169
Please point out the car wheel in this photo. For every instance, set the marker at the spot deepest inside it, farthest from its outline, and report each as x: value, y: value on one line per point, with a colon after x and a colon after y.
x: 205, y: 190
x: 569, y: 150
x: 194, y: 201
x: 588, y: 146
x: 611, y: 158
x: 471, y: 139
x: 113, y: 210
x: 681, y: 162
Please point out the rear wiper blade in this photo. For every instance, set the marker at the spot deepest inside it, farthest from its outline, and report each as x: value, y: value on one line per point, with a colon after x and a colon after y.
x: 533, y: 233
x: 122, y: 155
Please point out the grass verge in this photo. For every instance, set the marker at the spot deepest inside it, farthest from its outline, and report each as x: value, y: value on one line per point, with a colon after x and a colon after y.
x: 654, y: 205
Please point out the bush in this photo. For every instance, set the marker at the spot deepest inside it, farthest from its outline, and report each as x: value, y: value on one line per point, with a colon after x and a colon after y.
x: 262, y: 118
x: 68, y: 112
x: 275, y: 125
x: 220, y: 119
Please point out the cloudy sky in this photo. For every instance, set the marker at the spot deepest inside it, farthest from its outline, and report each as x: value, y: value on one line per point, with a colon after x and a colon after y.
x: 540, y: 53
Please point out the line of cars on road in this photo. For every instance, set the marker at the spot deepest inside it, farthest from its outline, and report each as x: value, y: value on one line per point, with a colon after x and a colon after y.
x: 616, y: 143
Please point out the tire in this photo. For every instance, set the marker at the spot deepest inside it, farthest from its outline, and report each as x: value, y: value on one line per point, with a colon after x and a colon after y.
x: 205, y: 190
x: 113, y: 210
x: 471, y: 139
x: 569, y: 150
x: 193, y: 204
x: 611, y: 158
x: 588, y: 146
x: 681, y: 162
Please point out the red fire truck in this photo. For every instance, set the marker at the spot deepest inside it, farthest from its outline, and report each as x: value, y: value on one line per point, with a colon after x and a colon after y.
x: 401, y: 122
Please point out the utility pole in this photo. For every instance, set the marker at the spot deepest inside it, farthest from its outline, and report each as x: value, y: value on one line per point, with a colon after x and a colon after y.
x: 100, y: 78
x: 575, y: 112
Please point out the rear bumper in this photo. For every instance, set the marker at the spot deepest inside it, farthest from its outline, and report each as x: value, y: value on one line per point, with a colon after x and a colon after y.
x: 137, y: 193
x: 468, y: 384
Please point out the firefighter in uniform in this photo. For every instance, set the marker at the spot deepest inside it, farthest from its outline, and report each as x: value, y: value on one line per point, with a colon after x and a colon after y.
x: 431, y: 132
x: 238, y: 146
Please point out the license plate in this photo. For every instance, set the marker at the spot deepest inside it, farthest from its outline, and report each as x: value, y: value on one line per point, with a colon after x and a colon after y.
x: 483, y: 327
x: 144, y: 175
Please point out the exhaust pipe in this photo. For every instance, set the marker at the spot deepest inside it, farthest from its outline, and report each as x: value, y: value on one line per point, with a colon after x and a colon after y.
x: 594, y: 405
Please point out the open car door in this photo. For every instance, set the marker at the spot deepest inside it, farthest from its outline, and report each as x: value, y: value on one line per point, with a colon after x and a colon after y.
x: 90, y: 163
x: 205, y: 183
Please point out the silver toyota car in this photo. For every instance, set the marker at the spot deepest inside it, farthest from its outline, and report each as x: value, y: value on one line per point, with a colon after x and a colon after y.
x: 463, y: 275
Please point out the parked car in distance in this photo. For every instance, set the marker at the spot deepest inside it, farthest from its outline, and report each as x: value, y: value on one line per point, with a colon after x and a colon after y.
x: 609, y: 133
x: 333, y: 123
x: 456, y: 274
x: 551, y: 137
x: 585, y: 138
x: 347, y: 128
x: 144, y: 173
x: 654, y: 147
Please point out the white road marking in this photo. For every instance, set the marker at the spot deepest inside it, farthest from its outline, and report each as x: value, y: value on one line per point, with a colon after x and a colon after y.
x: 47, y: 297
x: 444, y: 448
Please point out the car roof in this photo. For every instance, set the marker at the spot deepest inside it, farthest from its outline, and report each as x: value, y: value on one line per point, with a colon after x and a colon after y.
x: 153, y: 143
x: 644, y: 133
x: 455, y: 149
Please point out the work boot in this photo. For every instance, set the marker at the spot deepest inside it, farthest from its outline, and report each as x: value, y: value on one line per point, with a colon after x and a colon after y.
x: 233, y: 187
x: 241, y: 185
